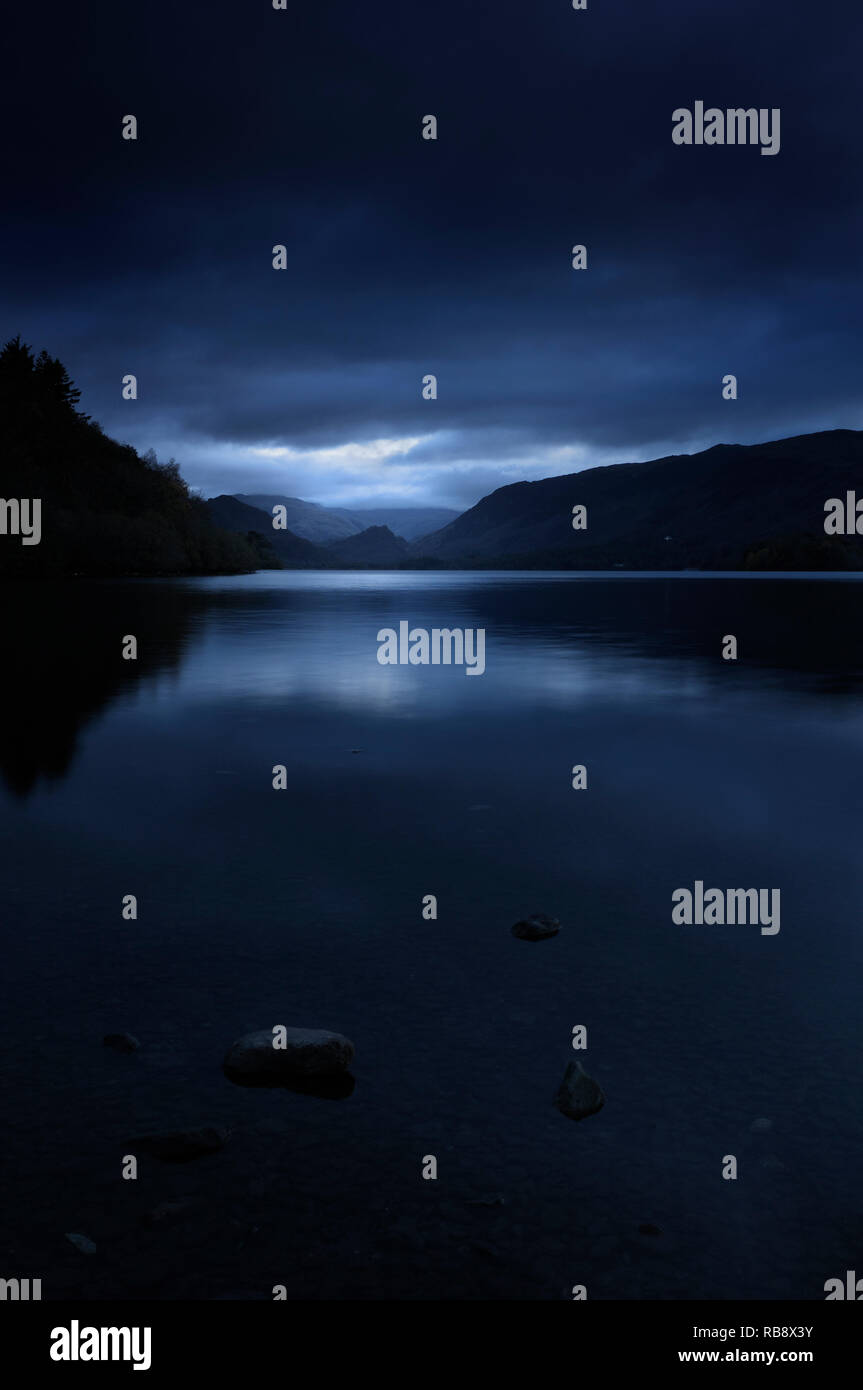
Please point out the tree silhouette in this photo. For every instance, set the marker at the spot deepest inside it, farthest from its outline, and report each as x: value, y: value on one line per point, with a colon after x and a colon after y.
x: 105, y: 510
x: 54, y: 386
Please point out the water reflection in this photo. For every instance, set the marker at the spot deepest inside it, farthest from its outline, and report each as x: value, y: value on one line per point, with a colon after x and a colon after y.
x: 553, y: 641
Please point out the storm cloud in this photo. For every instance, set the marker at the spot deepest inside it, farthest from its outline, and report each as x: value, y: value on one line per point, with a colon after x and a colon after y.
x: 406, y: 257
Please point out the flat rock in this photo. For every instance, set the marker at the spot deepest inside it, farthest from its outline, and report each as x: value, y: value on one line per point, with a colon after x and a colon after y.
x: 649, y: 1228
x: 536, y: 928
x: 82, y: 1243
x: 121, y: 1042
x: 167, y: 1212
x: 578, y: 1094
x: 486, y: 1252
x: 307, y: 1052
x: 182, y: 1144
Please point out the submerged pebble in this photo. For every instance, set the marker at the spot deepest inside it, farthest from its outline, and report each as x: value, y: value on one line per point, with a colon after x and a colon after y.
x: 536, y: 928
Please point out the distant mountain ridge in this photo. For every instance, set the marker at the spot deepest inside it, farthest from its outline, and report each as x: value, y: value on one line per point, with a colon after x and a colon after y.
x: 314, y: 522
x: 733, y: 506
x: 289, y: 551
x: 104, y: 510
x: 375, y: 546
x: 409, y: 523
x: 717, y: 509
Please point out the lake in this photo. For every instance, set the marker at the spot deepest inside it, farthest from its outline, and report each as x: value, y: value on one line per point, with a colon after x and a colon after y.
x: 304, y: 907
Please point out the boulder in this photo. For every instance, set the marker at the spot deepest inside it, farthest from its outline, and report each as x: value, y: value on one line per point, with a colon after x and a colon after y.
x: 166, y: 1213
x: 121, y: 1042
x: 182, y: 1144
x: 287, y: 1055
x: 82, y: 1243
x: 578, y: 1094
x: 649, y: 1228
x: 536, y: 928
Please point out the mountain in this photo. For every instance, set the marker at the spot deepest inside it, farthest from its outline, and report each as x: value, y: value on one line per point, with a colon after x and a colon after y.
x: 725, y: 508
x: 307, y: 520
x: 321, y: 524
x: 287, y: 550
x: 375, y: 547
x: 102, y: 508
x: 105, y: 510
x: 408, y: 522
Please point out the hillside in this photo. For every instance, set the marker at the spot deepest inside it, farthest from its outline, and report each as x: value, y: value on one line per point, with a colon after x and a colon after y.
x: 375, y: 547
x: 103, y: 509
x: 286, y: 550
x: 307, y: 520
x: 727, y: 507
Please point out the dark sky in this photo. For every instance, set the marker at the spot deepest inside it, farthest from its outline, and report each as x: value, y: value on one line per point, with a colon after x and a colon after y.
x: 406, y: 256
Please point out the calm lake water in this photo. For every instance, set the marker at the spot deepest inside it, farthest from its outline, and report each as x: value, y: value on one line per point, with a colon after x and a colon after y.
x: 304, y: 907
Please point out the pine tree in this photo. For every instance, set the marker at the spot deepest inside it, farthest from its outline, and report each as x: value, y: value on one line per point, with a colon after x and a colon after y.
x: 16, y: 372
x: 54, y: 384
